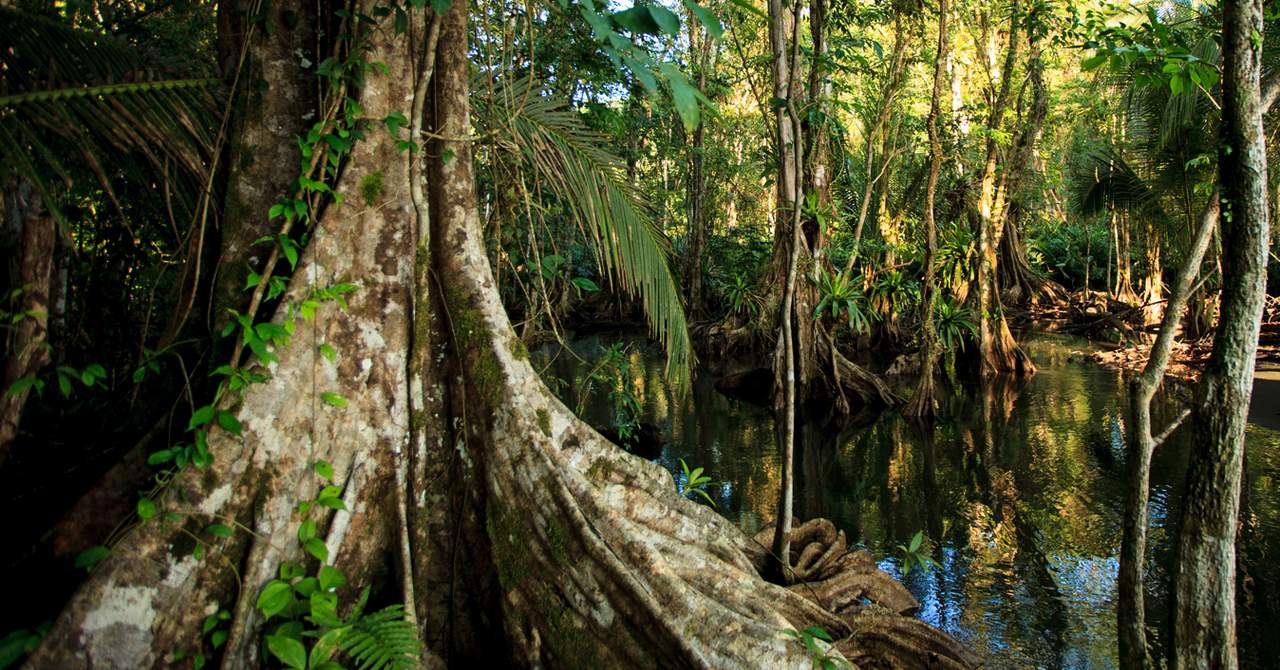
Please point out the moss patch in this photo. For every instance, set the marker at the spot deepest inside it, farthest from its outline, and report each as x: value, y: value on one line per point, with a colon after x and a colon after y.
x: 544, y: 422
x: 601, y: 471
x: 473, y: 340
x: 371, y: 188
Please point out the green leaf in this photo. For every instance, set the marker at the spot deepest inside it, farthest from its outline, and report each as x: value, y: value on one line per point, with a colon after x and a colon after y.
x: 707, y: 18
x: 91, y: 556
x: 325, y: 470
x: 288, y: 650
x: 307, y: 586
x: 275, y: 597
x: 641, y: 72
x: 326, y: 646
x: 324, y: 609
x: 683, y: 96
x: 229, y: 422
x: 585, y: 284
x: 638, y: 20
x: 441, y: 6
x: 64, y: 384
x: 290, y: 252
x: 916, y: 541
x: 331, y: 578
x: 328, y: 352
x: 218, y: 530
x: 667, y: 21
x: 332, y: 503
x: 333, y: 399
x: 22, y: 384
x: 307, y: 530
x: 315, y: 547
x: 200, y: 417
x: 818, y: 632
x: 146, y: 509
x: 395, y: 121
x: 1094, y: 62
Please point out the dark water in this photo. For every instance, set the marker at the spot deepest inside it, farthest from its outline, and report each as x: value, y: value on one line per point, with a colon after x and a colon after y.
x: 1018, y: 487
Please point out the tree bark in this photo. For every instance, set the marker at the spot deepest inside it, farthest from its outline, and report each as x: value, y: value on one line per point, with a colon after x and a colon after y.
x: 1204, y: 634
x: 279, y: 97
x: 26, y: 348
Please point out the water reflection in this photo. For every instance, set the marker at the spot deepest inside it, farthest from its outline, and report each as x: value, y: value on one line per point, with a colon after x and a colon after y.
x: 1018, y: 485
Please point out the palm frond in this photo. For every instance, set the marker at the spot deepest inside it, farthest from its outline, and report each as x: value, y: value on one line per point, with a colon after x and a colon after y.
x: 550, y: 141
x: 1101, y: 177
x: 68, y: 94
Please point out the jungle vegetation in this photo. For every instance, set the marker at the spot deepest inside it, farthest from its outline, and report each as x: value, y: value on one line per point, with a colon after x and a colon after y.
x: 274, y: 271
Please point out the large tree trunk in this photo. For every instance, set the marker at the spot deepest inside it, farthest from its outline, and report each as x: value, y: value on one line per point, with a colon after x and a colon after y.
x: 997, y: 351
x: 521, y: 536
x: 147, y: 600
x: 1204, y: 632
x: 264, y: 52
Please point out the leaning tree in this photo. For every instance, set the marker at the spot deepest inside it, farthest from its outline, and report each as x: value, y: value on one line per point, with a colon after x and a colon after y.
x: 512, y: 531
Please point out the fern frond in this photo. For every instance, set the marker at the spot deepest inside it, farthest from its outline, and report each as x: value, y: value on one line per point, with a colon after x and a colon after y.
x: 382, y: 640
x: 547, y: 139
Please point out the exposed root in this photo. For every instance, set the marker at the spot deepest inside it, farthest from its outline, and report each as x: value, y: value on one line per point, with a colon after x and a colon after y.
x: 835, y: 577
x: 842, y: 581
x: 855, y: 378
x: 882, y: 640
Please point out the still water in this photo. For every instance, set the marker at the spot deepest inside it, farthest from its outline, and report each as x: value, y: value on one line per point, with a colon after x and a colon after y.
x: 1018, y: 488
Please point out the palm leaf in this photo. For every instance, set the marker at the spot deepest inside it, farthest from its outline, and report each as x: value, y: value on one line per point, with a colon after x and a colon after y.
x: 1100, y: 177
x: 548, y: 140
x: 68, y: 93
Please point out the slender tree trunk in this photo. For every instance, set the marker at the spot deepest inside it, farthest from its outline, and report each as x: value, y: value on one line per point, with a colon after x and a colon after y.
x: 876, y: 166
x: 1131, y: 609
x: 699, y: 221
x: 786, y: 354
x: 26, y: 347
x: 923, y: 403
x: 1204, y: 632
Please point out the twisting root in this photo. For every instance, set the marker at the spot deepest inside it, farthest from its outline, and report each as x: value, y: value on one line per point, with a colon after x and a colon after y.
x: 842, y: 581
